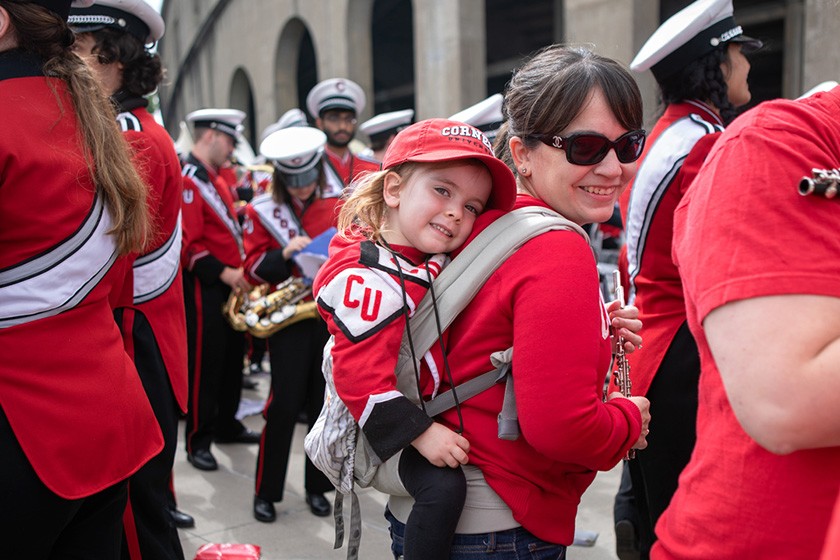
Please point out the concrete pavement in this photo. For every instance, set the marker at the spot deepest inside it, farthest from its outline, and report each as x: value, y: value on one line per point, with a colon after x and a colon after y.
x: 221, y: 503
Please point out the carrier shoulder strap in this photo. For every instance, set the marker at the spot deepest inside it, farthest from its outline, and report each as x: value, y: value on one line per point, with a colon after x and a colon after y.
x: 461, y: 280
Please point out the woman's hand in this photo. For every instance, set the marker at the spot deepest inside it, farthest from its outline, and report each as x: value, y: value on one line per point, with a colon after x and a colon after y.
x: 626, y: 322
x: 296, y: 244
x: 644, y: 409
x: 442, y: 447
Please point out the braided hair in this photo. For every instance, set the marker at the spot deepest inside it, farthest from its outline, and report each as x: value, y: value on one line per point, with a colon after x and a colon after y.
x: 701, y: 79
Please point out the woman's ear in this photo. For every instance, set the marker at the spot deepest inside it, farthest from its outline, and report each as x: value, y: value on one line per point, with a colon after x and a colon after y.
x: 520, y: 154
x: 391, y: 186
x: 7, y: 35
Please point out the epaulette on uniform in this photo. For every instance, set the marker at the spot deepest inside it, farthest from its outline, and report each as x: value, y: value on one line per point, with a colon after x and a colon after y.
x: 128, y: 121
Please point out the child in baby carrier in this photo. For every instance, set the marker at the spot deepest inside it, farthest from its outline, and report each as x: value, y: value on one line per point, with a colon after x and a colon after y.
x: 396, y: 230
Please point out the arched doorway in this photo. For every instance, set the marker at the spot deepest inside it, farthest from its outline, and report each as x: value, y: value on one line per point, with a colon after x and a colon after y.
x: 295, y: 67
x: 514, y: 30
x: 242, y: 98
x: 392, y: 32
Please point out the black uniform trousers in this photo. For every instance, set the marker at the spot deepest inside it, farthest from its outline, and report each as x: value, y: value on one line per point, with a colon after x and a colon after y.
x: 673, y: 417
x: 149, y: 532
x: 216, y: 354
x: 37, y: 524
x: 297, y: 384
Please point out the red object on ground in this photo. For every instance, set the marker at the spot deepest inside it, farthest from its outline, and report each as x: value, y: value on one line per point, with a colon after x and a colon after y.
x: 228, y: 551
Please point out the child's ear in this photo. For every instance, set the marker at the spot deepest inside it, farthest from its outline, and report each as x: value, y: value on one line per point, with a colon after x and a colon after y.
x: 391, y: 186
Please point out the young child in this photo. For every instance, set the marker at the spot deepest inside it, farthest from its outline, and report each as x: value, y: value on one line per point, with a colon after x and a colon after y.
x: 397, y: 228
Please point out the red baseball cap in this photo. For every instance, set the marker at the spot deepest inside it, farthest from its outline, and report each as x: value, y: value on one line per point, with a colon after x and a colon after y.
x: 441, y: 140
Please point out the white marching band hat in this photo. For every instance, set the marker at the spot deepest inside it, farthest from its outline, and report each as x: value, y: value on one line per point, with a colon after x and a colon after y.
x: 335, y: 93
x: 228, y: 121
x: 135, y: 17
x: 486, y: 115
x: 694, y: 31
x: 387, y: 123
x: 292, y: 117
x: 295, y: 152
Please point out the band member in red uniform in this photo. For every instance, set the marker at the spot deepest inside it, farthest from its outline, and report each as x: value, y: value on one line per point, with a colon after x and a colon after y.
x: 301, y: 206
x: 765, y: 311
x: 111, y: 36
x: 573, y: 136
x: 698, y: 59
x: 74, y: 419
x: 212, y: 256
x: 335, y: 105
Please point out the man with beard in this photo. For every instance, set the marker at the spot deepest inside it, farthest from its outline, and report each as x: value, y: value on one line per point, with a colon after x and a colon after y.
x: 335, y: 104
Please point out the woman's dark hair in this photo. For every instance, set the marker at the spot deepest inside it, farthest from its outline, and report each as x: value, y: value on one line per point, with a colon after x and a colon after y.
x: 142, y: 70
x: 44, y: 34
x: 547, y: 93
x: 701, y: 79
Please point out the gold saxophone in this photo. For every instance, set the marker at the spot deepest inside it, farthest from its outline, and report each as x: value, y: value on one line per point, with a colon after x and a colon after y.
x: 279, y: 309
x: 238, y: 303
x: 262, y: 314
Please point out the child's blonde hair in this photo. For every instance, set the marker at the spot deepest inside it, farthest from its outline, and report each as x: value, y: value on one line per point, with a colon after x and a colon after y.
x: 363, y: 211
x: 364, y: 208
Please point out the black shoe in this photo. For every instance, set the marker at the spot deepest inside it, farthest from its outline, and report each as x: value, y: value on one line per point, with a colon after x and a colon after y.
x: 180, y: 519
x: 245, y: 436
x: 626, y: 541
x: 264, y: 510
x: 318, y: 505
x: 248, y: 383
x: 203, y: 460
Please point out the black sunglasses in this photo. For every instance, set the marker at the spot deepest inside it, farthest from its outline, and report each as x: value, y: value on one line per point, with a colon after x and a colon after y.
x: 589, y: 148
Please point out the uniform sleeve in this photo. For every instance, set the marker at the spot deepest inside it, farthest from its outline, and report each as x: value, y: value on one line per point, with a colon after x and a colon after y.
x: 161, y: 172
x: 195, y: 256
x: 264, y: 262
x: 365, y: 316
x: 559, y: 362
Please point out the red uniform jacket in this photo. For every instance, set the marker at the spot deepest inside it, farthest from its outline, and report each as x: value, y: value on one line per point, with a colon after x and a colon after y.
x: 158, y: 291
x: 664, y: 175
x: 351, y: 166
x: 212, y: 235
x: 72, y: 395
x: 270, y: 226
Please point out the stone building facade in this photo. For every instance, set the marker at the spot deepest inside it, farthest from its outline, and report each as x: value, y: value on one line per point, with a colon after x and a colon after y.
x: 439, y: 56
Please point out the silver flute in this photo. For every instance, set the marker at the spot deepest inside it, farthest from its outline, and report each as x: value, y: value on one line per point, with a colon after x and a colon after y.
x: 621, y: 373
x: 822, y: 182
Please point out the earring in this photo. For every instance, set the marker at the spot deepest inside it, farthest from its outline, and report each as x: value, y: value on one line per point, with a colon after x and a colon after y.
x: 523, y: 170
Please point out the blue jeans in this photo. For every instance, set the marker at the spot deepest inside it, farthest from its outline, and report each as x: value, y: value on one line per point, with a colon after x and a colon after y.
x: 513, y: 544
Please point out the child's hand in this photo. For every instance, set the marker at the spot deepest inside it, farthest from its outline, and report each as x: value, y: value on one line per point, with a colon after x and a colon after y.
x: 442, y: 447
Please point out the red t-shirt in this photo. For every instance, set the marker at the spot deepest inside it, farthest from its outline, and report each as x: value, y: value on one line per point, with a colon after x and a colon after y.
x: 742, y: 232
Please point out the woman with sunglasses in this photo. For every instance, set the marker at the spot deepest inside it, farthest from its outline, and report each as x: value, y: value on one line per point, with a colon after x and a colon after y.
x: 698, y: 59
x: 302, y: 203
x: 572, y: 134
